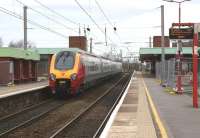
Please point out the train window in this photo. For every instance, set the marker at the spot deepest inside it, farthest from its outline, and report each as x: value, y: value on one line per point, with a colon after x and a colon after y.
x: 64, y: 60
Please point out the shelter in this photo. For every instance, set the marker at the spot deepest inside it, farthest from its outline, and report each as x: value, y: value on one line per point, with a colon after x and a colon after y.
x: 17, y: 65
x: 153, y: 55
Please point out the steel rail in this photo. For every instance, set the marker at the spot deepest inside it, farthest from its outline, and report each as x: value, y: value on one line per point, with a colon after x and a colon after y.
x: 37, y: 117
x: 99, y: 130
x: 86, y: 109
x: 24, y: 110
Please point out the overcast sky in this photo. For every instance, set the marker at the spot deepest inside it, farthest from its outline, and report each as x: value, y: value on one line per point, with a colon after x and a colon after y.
x: 135, y: 20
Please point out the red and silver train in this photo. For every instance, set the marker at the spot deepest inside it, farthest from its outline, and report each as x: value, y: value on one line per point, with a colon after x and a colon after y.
x: 72, y: 70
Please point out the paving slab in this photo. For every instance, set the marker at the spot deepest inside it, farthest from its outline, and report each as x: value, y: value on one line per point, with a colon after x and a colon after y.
x: 133, y: 119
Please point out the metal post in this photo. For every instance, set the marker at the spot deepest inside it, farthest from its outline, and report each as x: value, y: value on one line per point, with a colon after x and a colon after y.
x: 106, y: 36
x: 84, y: 30
x: 79, y: 30
x: 150, y: 42
x: 162, y: 44
x: 179, y: 13
x: 179, y: 67
x: 120, y: 54
x: 195, y: 71
x: 111, y: 51
x: 25, y: 27
x: 179, y: 50
x: 91, y: 45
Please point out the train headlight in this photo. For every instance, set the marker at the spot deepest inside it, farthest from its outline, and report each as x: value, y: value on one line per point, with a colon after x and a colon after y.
x: 52, y: 77
x: 73, y: 76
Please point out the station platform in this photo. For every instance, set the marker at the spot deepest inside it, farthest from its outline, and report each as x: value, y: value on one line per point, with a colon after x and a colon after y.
x: 179, y: 117
x: 147, y: 110
x: 6, y: 91
x: 132, y: 117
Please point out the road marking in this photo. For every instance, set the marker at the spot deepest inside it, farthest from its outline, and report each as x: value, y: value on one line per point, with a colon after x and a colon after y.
x: 155, y: 113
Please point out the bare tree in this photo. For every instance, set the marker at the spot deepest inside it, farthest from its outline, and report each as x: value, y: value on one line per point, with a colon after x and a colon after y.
x: 20, y: 44
x: 31, y: 44
x: 17, y: 44
x: 11, y: 44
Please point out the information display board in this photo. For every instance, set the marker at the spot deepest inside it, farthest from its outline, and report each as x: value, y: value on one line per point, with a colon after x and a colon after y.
x: 181, y: 33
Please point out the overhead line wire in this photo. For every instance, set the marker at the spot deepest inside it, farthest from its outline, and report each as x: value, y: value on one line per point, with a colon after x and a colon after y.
x: 69, y: 28
x: 106, y: 17
x: 91, y: 18
x: 50, y: 17
x: 43, y: 5
x: 101, y: 9
x: 58, y: 14
x: 6, y: 11
x: 42, y: 14
x: 80, y: 6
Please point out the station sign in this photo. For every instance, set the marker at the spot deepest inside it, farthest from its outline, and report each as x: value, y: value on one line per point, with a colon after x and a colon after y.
x: 181, y: 33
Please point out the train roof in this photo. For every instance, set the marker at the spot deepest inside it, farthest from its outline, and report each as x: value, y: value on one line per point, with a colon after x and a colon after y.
x: 47, y: 51
x: 50, y: 51
x: 77, y: 50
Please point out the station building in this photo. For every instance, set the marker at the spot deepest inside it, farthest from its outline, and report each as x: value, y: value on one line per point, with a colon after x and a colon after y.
x: 17, y: 65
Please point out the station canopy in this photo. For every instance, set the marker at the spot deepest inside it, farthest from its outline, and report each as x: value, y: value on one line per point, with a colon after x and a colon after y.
x: 150, y: 54
x: 18, y: 53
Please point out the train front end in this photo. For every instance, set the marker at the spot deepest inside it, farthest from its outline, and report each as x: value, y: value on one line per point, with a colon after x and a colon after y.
x: 65, y: 77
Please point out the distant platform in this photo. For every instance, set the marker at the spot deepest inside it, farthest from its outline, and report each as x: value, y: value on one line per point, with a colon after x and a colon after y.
x: 6, y: 91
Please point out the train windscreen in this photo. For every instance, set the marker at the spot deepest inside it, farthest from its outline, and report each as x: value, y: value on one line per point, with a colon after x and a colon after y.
x: 64, y: 60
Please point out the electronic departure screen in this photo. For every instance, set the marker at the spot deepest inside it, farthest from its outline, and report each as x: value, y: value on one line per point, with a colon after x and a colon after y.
x: 181, y: 33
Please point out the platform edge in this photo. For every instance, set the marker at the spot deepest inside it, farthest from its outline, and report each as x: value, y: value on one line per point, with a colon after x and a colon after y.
x: 155, y: 113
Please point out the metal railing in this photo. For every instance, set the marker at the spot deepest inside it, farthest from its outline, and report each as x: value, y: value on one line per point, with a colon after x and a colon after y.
x: 171, y: 73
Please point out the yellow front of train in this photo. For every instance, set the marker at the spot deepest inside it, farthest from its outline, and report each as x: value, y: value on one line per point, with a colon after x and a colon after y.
x: 64, y: 69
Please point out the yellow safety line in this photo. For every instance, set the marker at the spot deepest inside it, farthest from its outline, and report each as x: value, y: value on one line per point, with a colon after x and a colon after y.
x: 155, y: 113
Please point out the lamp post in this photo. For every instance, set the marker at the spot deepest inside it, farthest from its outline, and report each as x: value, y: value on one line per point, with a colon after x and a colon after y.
x: 179, y: 48
x: 179, y: 9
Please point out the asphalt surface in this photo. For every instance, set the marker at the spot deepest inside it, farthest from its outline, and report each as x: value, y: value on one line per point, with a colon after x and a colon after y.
x: 181, y: 120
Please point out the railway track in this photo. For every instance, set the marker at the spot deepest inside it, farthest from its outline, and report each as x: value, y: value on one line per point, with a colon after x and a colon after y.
x: 90, y: 122
x: 15, y: 103
x: 26, y: 116
x: 48, y: 124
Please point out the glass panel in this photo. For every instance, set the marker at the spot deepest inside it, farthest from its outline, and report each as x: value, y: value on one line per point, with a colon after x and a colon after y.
x: 64, y: 60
